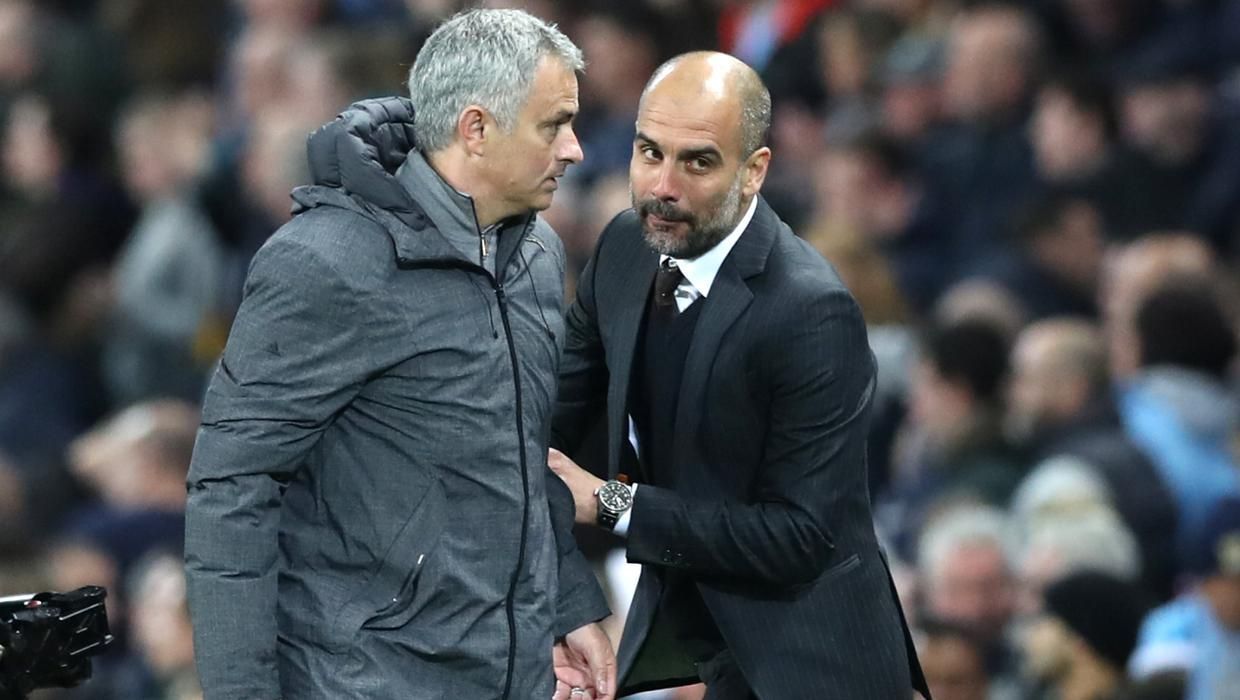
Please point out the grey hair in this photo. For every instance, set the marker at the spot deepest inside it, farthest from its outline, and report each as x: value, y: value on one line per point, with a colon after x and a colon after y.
x: 1095, y: 540
x: 482, y: 57
x: 755, y: 115
x: 963, y: 526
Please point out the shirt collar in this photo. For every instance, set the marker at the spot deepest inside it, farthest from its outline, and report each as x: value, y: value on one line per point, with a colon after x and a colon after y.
x: 701, y: 271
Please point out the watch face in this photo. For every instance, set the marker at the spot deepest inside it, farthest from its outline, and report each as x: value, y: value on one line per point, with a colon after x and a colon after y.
x: 615, y: 496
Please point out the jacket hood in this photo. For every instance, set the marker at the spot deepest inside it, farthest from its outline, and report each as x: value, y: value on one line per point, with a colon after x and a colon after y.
x: 359, y: 153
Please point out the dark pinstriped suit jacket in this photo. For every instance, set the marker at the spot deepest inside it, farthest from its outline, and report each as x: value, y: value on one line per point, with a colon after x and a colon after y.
x: 768, y: 510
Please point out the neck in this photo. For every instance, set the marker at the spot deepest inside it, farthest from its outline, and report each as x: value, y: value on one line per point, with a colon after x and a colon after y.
x: 1089, y: 680
x: 454, y: 167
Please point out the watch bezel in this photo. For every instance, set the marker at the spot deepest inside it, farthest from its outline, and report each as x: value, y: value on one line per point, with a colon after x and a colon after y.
x: 615, y: 496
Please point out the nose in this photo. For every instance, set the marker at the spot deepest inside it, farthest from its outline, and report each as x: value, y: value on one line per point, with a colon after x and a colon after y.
x: 664, y: 185
x: 570, y: 148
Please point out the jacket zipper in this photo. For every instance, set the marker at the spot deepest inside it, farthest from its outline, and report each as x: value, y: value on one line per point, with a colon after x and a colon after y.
x: 502, y: 299
x: 510, y: 601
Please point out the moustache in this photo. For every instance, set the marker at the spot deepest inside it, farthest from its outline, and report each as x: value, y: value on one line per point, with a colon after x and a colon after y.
x: 663, y: 210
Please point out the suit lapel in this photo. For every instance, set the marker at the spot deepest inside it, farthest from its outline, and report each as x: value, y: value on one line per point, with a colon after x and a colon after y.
x: 729, y: 297
x: 629, y: 307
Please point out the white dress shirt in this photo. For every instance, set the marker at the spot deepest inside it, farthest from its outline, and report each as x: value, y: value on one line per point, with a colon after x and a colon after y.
x: 700, y: 273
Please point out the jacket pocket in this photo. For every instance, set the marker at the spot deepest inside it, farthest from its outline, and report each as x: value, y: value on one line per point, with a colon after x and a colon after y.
x: 837, y: 570
x: 386, y: 600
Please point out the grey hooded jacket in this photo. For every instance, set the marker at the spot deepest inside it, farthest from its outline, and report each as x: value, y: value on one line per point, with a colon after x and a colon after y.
x: 370, y: 513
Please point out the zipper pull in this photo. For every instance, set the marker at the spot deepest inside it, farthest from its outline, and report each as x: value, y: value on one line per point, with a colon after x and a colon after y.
x: 483, y: 236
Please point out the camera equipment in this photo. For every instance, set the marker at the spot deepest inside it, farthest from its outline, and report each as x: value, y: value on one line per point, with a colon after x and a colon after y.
x: 47, y: 639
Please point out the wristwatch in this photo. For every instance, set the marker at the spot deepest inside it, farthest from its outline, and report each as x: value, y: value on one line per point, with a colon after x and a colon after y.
x: 614, y: 498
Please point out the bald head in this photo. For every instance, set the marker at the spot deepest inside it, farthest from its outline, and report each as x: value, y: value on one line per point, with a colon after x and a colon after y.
x: 1058, y: 367
x: 1069, y: 348
x: 704, y: 79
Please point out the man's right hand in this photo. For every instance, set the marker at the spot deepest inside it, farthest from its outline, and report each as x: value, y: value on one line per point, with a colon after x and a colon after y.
x: 585, y: 659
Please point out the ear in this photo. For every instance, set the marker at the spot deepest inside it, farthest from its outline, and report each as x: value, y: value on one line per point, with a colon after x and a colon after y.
x: 473, y: 126
x: 755, y: 171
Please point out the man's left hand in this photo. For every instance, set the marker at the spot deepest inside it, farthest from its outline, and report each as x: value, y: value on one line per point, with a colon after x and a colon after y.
x: 582, y: 483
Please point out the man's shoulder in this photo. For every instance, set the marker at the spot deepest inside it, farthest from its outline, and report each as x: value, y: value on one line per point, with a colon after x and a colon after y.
x: 329, y: 241
x: 796, y: 268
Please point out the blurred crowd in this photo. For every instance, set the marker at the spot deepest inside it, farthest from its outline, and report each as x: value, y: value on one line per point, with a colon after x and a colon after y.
x: 1036, y: 203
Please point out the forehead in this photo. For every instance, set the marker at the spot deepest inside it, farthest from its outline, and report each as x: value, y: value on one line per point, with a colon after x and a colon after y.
x: 678, y: 118
x: 554, y: 88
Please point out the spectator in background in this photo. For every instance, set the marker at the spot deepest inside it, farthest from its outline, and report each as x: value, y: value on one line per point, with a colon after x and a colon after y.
x: 611, y: 89
x: 1131, y: 274
x: 137, y: 459
x: 873, y: 208
x: 1186, y: 169
x: 966, y: 580
x: 953, y: 660
x: 162, y: 636
x: 982, y: 166
x: 172, y: 45
x: 168, y: 324
x: 952, y: 446
x: 1057, y: 257
x: 1078, y: 154
x: 1060, y: 404
x: 910, y: 78
x: 1078, y: 648
x: 1179, y: 408
x: 1060, y: 542
x: 1073, y: 129
x: 1200, y: 631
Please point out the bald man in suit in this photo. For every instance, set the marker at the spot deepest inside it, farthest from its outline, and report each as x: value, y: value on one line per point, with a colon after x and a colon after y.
x: 727, y: 357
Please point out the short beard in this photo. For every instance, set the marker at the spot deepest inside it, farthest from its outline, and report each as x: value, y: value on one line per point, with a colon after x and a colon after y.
x: 702, y: 235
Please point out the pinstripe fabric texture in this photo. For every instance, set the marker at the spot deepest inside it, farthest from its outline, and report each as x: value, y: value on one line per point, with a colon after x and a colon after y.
x: 768, y: 510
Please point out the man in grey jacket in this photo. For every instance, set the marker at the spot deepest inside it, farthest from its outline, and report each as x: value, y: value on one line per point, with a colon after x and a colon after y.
x: 370, y: 511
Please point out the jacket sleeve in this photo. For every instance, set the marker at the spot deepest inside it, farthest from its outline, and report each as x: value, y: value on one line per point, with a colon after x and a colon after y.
x: 290, y: 365
x: 581, y: 396
x: 820, y: 373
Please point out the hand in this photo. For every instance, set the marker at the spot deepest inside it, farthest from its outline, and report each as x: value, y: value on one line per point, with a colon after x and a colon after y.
x: 582, y: 483
x: 584, y: 659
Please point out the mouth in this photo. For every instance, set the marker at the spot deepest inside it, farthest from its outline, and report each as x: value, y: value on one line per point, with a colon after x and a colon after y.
x: 661, y: 223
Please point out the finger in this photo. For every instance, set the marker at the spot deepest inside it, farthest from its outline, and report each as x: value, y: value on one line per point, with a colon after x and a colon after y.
x: 561, y: 691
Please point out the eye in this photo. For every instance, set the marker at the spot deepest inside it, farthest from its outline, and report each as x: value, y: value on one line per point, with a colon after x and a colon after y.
x: 699, y: 165
x: 649, y: 153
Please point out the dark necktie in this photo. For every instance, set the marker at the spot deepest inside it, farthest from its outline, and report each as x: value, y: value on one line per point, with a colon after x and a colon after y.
x: 666, y: 280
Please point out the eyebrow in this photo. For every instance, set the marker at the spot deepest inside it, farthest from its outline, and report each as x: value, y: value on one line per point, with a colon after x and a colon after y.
x: 561, y: 117
x: 709, y: 152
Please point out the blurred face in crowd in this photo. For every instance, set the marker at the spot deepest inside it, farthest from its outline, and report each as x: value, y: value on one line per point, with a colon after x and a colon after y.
x: 1049, y: 381
x: 954, y: 668
x: 616, y: 83
x: 160, y: 613
x: 1167, y: 120
x: 973, y: 588
x: 1033, y: 392
x: 1067, y: 141
x: 522, y: 166
x: 1049, y: 647
x: 910, y: 108
x: 1134, y: 272
x: 937, y: 405
x: 989, y: 63
x: 690, y: 180
x: 1223, y: 593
